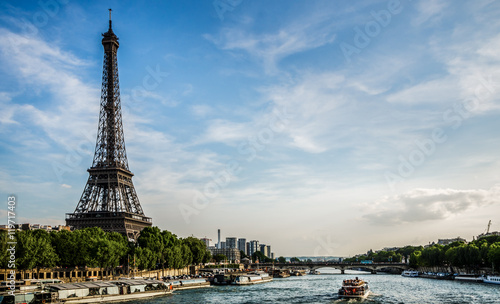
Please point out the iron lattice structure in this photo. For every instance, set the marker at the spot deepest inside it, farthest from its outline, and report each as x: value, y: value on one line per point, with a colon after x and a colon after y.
x: 109, y: 199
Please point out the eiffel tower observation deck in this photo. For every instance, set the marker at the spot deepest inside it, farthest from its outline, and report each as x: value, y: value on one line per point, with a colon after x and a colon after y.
x: 109, y: 199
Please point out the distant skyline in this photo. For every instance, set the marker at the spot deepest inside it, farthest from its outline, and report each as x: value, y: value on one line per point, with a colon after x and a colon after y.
x: 320, y: 127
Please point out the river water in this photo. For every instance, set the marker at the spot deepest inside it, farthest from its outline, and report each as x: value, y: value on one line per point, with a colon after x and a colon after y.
x: 323, y: 288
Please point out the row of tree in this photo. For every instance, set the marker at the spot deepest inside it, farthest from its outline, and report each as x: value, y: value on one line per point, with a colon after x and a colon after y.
x: 378, y: 257
x: 92, y: 247
x: 484, y: 252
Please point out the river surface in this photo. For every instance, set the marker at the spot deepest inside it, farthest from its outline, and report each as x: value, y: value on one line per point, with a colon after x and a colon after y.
x: 323, y: 288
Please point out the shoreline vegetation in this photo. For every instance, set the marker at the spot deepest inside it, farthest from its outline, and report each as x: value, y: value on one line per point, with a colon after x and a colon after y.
x: 474, y: 257
x: 161, y: 250
x: 92, y: 247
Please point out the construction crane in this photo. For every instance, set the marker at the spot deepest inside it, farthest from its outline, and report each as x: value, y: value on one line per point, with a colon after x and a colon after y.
x: 488, y: 229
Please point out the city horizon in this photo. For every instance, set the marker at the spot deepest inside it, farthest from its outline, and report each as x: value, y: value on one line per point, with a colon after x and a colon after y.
x: 321, y: 129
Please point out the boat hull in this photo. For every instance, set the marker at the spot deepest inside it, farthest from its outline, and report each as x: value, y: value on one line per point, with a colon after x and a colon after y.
x: 116, y: 298
x: 469, y: 279
x: 492, y: 280
x: 363, y: 296
x: 409, y: 274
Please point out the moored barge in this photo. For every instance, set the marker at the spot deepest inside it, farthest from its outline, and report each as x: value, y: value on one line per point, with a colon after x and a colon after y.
x: 101, y: 292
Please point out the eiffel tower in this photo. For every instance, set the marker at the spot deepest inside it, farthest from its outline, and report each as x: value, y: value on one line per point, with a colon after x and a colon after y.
x: 109, y: 199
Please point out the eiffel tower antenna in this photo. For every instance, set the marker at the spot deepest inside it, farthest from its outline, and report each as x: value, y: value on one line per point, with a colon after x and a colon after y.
x: 109, y: 199
x: 110, y: 18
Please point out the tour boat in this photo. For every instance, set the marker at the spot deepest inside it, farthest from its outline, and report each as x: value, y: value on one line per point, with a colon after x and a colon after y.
x: 354, y: 289
x: 492, y: 279
x: 410, y: 273
x: 100, y: 291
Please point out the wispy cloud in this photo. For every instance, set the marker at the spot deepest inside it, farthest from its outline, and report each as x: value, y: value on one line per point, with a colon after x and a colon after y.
x: 430, y: 11
x: 47, y: 68
x: 270, y: 48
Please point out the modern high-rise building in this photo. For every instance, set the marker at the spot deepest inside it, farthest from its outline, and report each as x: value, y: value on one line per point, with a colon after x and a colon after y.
x: 263, y: 249
x: 231, y: 242
x: 218, y: 239
x: 222, y: 245
x: 242, y: 245
x: 268, y: 251
x: 232, y: 254
x: 252, y: 247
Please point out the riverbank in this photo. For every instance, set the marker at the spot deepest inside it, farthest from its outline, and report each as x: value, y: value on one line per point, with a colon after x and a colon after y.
x: 319, y: 289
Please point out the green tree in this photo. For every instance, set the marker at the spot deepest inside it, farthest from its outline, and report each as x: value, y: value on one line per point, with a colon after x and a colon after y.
x: 257, y: 255
x: 294, y: 260
x: 408, y: 250
x: 110, y: 250
x: 152, y: 239
x: 198, y: 249
x: 187, y: 255
x: 144, y: 258
x: 4, y: 254
x: 494, y: 255
x: 432, y: 256
x: 281, y: 259
x: 415, y: 259
x: 35, y: 250
x: 220, y: 258
x: 174, y: 257
x: 65, y: 246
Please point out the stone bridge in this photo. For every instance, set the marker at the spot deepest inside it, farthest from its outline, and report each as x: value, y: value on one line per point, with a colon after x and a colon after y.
x: 373, y: 267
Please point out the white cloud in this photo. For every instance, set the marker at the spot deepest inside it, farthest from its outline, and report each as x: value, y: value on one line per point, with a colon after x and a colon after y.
x: 201, y: 110
x: 224, y: 131
x: 270, y: 48
x: 433, y: 92
x: 421, y: 205
x: 46, y: 67
x: 430, y: 11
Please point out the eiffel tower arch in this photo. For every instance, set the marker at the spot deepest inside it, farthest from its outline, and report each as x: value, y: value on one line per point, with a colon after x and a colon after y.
x: 109, y: 200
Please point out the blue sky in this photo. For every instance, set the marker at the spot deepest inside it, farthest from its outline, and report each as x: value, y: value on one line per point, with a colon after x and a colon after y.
x: 318, y: 127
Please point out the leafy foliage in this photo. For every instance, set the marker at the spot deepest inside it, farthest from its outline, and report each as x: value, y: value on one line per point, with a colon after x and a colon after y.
x: 220, y: 258
x: 480, y: 253
x: 92, y: 247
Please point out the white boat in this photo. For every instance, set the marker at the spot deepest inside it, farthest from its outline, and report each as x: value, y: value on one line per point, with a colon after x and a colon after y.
x: 252, y: 278
x: 492, y: 279
x: 410, y: 273
x: 247, y: 279
x: 354, y: 289
x: 101, y: 292
x: 17, y: 298
x: 469, y: 278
